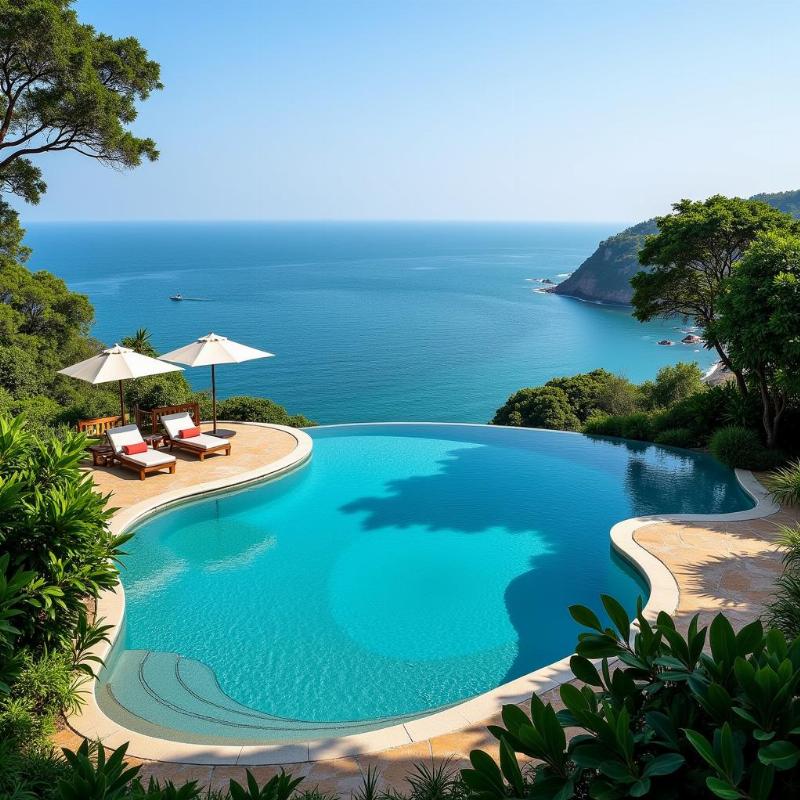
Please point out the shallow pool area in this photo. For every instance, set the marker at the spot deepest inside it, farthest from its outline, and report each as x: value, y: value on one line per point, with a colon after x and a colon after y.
x: 404, y: 568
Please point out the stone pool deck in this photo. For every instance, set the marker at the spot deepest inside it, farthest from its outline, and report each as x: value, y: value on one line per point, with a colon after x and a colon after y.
x: 719, y: 566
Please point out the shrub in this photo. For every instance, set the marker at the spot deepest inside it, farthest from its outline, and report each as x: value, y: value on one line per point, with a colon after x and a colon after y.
x: 783, y: 611
x: 675, y: 437
x: 539, y: 407
x: 55, y: 525
x: 735, y: 446
x: 628, y: 426
x: 674, y: 384
x: 784, y: 484
x: 258, y: 409
x: 600, y: 424
x: 637, y: 426
x: 670, y: 720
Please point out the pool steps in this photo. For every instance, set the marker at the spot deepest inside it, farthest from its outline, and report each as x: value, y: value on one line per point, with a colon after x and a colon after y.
x: 175, y: 690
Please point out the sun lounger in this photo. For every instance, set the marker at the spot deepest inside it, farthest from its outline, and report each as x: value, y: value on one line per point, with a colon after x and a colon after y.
x: 145, y: 462
x: 201, y: 445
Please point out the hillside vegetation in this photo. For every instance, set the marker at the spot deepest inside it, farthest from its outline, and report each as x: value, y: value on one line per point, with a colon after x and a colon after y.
x: 605, y: 276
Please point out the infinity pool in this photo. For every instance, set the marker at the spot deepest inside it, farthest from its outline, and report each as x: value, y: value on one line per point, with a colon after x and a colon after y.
x: 404, y: 568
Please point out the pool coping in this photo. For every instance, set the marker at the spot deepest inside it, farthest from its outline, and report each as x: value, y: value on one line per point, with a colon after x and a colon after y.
x: 92, y: 723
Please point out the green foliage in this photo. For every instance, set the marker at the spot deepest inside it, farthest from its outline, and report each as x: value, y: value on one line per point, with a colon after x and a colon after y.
x: 598, y: 390
x: 629, y: 426
x: 67, y: 87
x: 674, y: 384
x: 675, y: 437
x: 783, y: 611
x: 784, y: 484
x: 735, y: 446
x: 278, y: 787
x: 101, y: 778
x: 759, y: 321
x: 13, y: 603
x: 258, y: 409
x: 540, y: 407
x: 54, y: 525
x: 664, y: 715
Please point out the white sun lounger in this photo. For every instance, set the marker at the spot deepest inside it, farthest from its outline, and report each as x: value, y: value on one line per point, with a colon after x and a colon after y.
x: 143, y: 463
x: 200, y: 445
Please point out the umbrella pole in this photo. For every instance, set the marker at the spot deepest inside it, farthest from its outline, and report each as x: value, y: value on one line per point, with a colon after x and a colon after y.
x: 214, y: 397
x: 121, y: 403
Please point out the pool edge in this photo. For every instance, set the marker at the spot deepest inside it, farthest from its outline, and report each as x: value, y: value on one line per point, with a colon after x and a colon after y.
x: 91, y: 722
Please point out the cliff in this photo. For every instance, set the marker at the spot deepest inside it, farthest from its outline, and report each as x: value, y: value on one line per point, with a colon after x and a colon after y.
x: 605, y: 276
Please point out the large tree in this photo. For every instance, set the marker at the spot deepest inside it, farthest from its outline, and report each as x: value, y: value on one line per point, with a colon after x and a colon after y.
x: 691, y: 257
x: 64, y: 86
x: 759, y: 322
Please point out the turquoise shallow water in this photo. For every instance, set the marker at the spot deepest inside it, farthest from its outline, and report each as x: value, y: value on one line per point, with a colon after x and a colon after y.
x: 369, y: 322
x: 403, y: 568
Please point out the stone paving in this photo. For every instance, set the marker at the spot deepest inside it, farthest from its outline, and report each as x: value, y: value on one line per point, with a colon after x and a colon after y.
x: 719, y: 566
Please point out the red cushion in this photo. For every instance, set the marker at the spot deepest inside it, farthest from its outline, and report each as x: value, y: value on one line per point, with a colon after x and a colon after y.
x: 189, y: 433
x: 133, y: 449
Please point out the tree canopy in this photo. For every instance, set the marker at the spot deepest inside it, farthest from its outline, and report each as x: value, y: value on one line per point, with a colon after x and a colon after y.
x: 64, y: 86
x: 693, y: 254
x: 759, y: 322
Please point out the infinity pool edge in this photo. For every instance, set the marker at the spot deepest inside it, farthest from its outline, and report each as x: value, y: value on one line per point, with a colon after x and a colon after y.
x: 92, y: 723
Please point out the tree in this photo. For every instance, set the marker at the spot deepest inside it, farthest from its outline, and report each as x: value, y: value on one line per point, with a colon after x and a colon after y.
x: 693, y: 254
x: 759, y: 323
x: 63, y: 86
x: 673, y: 384
x: 538, y: 407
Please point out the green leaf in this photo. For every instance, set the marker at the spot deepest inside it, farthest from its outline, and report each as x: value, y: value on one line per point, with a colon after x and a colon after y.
x: 584, y: 670
x: 586, y: 617
x: 780, y: 754
x: 723, y: 789
x: 617, y: 615
x: 510, y: 768
x: 665, y: 764
x: 703, y: 747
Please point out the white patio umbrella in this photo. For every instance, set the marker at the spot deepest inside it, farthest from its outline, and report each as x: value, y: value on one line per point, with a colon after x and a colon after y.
x: 117, y: 364
x: 212, y: 350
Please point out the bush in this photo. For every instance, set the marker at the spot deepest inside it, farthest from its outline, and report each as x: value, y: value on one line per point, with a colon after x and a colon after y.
x: 675, y: 437
x: 736, y: 447
x: 783, y: 611
x: 600, y: 424
x: 539, y: 407
x: 784, y: 484
x: 669, y: 720
x: 674, y: 384
x: 630, y: 426
x: 258, y: 409
x: 54, y: 525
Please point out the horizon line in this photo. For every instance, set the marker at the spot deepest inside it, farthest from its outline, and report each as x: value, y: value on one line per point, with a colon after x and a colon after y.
x: 328, y: 220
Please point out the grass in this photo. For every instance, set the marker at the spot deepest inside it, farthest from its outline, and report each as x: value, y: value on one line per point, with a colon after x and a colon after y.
x: 784, y: 484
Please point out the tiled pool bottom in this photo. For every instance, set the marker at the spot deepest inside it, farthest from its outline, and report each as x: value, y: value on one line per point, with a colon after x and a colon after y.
x: 185, y: 696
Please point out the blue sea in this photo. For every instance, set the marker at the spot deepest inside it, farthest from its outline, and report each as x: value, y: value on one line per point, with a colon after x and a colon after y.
x: 367, y: 321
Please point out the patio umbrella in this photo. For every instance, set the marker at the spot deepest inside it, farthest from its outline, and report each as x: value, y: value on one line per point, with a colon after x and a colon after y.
x: 212, y: 350
x: 117, y: 364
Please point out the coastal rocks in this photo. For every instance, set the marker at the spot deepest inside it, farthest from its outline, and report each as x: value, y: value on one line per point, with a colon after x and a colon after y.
x: 605, y: 276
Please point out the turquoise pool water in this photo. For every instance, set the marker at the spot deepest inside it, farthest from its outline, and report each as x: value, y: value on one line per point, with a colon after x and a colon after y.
x: 404, y: 568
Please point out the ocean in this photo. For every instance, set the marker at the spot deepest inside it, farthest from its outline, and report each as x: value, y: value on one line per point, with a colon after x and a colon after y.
x: 367, y: 321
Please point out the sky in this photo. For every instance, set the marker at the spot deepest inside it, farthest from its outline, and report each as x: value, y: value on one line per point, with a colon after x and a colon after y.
x: 446, y: 109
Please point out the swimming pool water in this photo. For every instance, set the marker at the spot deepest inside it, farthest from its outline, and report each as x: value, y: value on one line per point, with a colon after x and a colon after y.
x: 404, y: 568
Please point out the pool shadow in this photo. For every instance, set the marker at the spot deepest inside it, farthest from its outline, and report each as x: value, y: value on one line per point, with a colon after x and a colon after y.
x: 470, y: 493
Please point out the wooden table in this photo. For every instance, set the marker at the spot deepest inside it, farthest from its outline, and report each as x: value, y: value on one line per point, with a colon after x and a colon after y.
x: 102, y: 455
x: 155, y: 440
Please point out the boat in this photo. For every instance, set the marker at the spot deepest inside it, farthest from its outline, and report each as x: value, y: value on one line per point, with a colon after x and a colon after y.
x: 667, y: 342
x: 691, y: 338
x: 176, y: 297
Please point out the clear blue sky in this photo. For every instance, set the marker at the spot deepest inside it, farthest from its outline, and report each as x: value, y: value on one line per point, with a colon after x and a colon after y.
x: 447, y: 109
